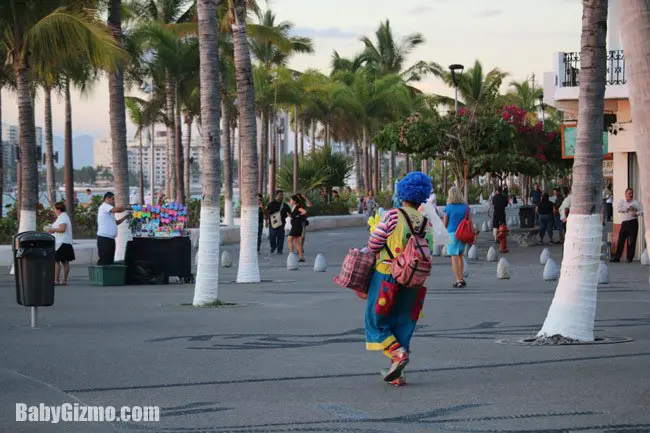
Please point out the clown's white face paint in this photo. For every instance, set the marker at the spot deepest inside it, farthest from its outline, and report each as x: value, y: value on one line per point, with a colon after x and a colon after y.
x: 573, y: 310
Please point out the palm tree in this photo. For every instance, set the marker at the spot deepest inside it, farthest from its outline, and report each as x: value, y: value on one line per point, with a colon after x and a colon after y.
x: 33, y: 29
x: 635, y: 23
x: 248, y: 271
x: 274, y: 52
x: 159, y: 20
x: 573, y: 310
x: 117, y: 106
x: 523, y: 95
x: 206, y: 289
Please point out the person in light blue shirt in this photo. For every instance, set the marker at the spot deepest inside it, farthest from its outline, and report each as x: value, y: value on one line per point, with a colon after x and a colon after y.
x: 455, y: 212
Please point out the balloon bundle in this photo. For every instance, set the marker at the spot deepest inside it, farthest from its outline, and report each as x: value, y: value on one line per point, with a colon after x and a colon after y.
x: 166, y: 220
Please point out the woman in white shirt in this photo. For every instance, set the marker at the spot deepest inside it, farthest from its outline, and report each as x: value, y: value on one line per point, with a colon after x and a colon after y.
x: 62, y: 231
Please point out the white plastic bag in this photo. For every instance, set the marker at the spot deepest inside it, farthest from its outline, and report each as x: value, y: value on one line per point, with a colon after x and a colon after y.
x: 287, y: 226
x: 440, y: 234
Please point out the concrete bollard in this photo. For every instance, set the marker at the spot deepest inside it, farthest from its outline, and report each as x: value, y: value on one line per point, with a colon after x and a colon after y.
x: 437, y: 250
x: 492, y: 255
x: 444, y: 251
x: 543, y: 258
x: 484, y: 227
x: 292, y: 262
x: 473, y: 253
x: 603, y: 273
x: 503, y: 269
x: 551, y: 271
x: 320, y: 265
x: 645, y: 260
x: 465, y: 268
x: 226, y: 259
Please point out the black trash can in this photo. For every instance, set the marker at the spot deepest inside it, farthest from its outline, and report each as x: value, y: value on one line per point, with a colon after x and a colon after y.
x: 34, y: 268
x: 527, y: 217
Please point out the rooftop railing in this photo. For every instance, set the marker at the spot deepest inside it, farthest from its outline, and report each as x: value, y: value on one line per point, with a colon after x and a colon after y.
x: 615, y: 69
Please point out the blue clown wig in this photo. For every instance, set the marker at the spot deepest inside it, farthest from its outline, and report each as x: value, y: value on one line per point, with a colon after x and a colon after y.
x: 415, y: 188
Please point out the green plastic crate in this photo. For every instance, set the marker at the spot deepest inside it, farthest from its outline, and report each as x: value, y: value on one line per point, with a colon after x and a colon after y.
x: 108, y: 275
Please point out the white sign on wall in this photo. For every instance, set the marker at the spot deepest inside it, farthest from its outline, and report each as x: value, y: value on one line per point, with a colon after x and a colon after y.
x: 608, y: 168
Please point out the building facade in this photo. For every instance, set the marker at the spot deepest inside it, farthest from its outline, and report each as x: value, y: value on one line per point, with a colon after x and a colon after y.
x: 561, y: 90
x: 103, y: 157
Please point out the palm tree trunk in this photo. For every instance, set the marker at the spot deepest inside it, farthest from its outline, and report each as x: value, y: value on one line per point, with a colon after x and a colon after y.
x: 68, y: 173
x: 377, y: 170
x: 302, y: 140
x: 206, y: 290
x: 49, y: 148
x: 273, y: 153
x: 248, y: 271
x: 408, y: 163
x: 573, y: 310
x: 357, y: 166
x: 28, y: 191
x: 171, y: 139
x: 180, y: 177
x: 118, y: 133
x: 366, y: 162
x: 187, y: 169
x: 264, y: 144
x: 2, y: 171
x: 229, y: 215
x: 313, y: 136
x: 391, y: 172
x: 635, y: 22
x: 295, y: 149
x: 141, y: 169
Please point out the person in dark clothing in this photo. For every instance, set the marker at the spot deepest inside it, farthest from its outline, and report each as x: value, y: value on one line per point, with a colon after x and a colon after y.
x: 545, y: 212
x: 500, y: 203
x: 277, y: 212
x: 298, y: 216
x: 535, y: 198
x: 262, y: 215
x: 559, y: 225
x: 630, y: 210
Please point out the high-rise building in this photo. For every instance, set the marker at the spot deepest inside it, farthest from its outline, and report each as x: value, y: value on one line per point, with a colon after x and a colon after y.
x: 103, y: 156
x: 9, y: 143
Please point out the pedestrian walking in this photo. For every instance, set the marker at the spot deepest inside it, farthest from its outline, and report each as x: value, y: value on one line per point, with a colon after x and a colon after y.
x: 455, y: 211
x: 499, y: 203
x: 392, y: 310
x: 277, y: 212
x: 545, y: 212
x: 61, y: 228
x: 298, y: 216
x: 262, y: 216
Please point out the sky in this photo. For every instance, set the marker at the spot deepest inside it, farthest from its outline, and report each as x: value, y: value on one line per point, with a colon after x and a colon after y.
x: 517, y: 36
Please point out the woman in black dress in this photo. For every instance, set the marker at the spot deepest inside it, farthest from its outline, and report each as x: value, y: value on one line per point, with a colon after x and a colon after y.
x: 298, y: 215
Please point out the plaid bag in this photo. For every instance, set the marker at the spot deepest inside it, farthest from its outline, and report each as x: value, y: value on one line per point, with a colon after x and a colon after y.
x: 356, y: 270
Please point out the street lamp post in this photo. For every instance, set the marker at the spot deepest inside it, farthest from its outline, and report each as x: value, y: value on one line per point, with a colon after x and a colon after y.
x: 541, y: 105
x: 148, y: 89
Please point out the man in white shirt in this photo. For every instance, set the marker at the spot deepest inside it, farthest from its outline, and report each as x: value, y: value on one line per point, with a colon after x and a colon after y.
x: 630, y: 210
x: 107, y: 228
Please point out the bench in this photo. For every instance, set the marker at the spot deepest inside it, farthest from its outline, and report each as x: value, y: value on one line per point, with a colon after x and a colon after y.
x: 524, y: 237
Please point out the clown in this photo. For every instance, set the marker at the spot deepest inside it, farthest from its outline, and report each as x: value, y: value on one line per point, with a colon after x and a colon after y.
x: 392, y: 310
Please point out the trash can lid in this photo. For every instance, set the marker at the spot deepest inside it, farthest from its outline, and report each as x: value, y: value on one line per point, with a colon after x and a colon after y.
x: 31, y: 236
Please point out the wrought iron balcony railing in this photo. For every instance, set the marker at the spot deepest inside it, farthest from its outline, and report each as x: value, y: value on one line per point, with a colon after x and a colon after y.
x: 615, y: 69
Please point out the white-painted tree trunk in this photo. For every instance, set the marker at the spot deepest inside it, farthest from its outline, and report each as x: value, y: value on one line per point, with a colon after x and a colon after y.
x: 206, y: 289
x: 124, y: 235
x: 573, y: 310
x: 248, y: 270
x: 27, y: 221
x: 635, y: 35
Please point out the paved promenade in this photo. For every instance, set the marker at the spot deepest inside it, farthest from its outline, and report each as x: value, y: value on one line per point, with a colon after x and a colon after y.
x: 289, y: 356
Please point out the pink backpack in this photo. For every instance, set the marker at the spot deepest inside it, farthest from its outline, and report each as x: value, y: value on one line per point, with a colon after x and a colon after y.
x: 412, y: 267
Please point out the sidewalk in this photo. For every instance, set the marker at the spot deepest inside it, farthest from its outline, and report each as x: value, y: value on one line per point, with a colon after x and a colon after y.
x: 290, y: 356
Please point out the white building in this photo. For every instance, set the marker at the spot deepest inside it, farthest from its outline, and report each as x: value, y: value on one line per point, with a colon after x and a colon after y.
x: 9, y: 141
x: 561, y: 90
x: 103, y: 156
